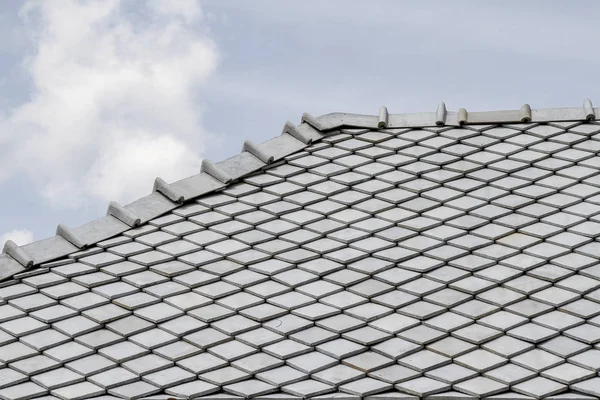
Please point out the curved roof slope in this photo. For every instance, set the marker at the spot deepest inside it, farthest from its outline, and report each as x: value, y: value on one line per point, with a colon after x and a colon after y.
x: 441, y: 262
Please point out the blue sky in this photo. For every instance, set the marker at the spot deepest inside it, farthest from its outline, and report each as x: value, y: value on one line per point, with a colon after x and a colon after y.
x: 97, y: 98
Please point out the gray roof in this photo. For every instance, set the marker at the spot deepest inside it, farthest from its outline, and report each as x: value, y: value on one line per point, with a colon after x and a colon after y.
x: 448, y: 255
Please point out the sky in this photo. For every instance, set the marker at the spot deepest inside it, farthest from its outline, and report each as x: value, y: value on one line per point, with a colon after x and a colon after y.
x: 99, y: 97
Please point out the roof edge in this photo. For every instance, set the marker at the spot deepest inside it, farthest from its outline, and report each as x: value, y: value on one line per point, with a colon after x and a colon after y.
x: 213, y: 177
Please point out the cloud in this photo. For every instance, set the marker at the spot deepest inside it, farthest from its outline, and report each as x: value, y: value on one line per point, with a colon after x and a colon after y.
x: 138, y: 155
x: 19, y: 236
x: 115, y: 88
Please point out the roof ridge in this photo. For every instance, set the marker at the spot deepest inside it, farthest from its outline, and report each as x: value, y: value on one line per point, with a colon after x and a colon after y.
x: 215, y: 176
x: 442, y: 117
x: 164, y: 198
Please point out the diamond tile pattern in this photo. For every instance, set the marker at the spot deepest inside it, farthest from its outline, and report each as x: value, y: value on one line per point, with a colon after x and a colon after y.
x: 451, y: 263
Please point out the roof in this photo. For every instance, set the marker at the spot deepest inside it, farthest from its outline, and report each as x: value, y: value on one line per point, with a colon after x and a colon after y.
x: 440, y: 255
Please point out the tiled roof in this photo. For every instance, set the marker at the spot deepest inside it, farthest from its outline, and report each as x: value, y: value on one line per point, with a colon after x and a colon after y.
x: 441, y: 255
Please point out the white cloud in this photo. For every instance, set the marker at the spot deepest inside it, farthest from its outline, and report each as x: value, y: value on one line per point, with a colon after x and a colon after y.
x: 19, y: 236
x: 114, y: 100
x: 138, y: 155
